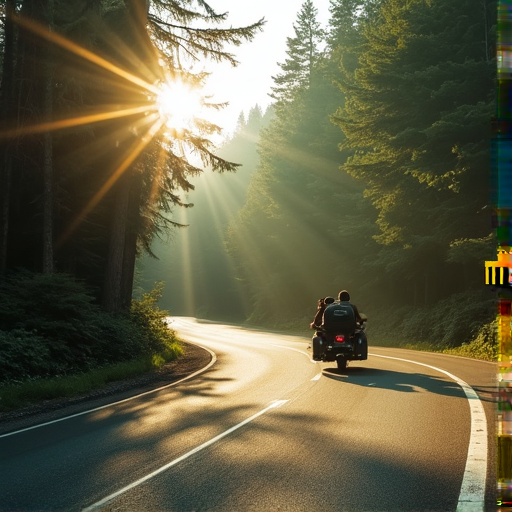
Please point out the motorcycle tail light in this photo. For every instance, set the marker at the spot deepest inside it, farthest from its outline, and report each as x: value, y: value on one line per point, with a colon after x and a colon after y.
x: 339, y: 338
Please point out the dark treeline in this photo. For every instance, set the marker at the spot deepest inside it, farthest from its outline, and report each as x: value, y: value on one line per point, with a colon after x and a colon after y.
x: 374, y: 174
x: 89, y: 171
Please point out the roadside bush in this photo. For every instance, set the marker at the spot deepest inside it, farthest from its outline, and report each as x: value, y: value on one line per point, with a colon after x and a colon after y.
x: 451, y: 322
x: 484, y: 346
x: 50, y: 326
x: 149, y: 319
x: 22, y: 355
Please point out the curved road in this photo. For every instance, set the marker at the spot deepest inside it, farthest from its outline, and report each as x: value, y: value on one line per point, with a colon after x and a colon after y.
x: 264, y: 428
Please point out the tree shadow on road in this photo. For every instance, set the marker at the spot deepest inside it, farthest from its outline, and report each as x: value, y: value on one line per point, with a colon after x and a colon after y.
x: 275, y: 462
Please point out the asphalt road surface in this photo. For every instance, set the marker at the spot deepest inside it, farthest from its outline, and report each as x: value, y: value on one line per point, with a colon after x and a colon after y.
x: 264, y: 428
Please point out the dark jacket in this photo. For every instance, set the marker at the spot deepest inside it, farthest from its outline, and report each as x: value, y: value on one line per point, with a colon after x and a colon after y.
x: 318, y: 320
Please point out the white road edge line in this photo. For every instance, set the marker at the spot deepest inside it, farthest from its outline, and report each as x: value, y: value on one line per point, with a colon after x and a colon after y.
x: 472, y: 491
x: 211, y: 363
x: 104, y: 501
x: 290, y: 348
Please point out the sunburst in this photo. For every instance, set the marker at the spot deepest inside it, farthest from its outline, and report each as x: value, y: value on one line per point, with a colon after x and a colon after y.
x: 179, y: 103
x: 172, y: 105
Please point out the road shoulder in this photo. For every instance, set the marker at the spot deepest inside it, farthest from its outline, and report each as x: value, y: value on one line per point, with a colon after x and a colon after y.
x: 193, y: 359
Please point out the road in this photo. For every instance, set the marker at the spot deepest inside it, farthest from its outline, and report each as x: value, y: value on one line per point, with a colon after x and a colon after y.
x: 264, y: 428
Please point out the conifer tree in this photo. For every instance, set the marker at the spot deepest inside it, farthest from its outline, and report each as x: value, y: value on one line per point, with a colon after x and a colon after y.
x: 298, y: 220
x: 303, y: 51
x: 344, y: 37
x: 416, y: 119
x: 132, y: 171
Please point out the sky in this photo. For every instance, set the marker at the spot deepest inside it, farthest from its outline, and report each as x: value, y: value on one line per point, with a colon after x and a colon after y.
x: 250, y: 82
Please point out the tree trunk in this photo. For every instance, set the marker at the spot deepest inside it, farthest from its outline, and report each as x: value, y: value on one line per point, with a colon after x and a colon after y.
x: 48, y: 151
x: 6, y: 106
x: 130, y: 247
x: 112, y: 300
x: 120, y: 268
x: 130, y: 256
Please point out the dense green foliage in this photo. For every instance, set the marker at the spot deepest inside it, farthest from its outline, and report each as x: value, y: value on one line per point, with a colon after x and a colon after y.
x: 50, y: 326
x: 400, y: 216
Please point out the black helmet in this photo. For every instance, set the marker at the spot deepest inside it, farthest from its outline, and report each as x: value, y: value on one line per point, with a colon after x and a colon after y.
x: 343, y: 296
x: 328, y: 300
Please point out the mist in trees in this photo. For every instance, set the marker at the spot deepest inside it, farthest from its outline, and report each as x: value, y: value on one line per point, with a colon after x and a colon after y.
x: 369, y: 172
x: 199, y: 274
x: 374, y: 174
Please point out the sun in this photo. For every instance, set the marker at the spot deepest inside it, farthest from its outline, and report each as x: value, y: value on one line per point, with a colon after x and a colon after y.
x: 179, y: 104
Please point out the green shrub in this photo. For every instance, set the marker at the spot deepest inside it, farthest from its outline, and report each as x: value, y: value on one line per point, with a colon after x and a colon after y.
x: 451, y: 322
x: 484, y: 346
x: 50, y: 326
x: 56, y: 308
x: 149, y: 319
x: 22, y: 355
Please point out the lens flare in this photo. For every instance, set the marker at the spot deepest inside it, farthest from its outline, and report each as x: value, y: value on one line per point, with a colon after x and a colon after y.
x: 178, y: 103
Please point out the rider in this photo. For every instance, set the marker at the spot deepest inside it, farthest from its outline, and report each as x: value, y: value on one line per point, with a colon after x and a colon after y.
x: 316, y: 324
x: 322, y: 303
x: 344, y: 296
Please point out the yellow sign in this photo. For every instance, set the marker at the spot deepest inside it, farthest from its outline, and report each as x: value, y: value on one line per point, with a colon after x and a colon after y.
x: 504, y: 261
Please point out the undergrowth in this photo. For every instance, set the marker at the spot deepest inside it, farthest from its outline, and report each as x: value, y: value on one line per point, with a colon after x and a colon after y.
x: 55, y: 341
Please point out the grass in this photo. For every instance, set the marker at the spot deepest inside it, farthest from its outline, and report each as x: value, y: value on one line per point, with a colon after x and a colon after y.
x: 14, y: 396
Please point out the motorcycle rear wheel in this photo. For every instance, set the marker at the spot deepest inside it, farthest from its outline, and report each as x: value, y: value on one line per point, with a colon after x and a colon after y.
x: 341, y: 362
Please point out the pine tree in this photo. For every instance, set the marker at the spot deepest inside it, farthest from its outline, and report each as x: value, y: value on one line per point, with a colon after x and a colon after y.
x: 302, y: 215
x: 303, y: 52
x: 343, y: 37
x: 416, y: 120
x: 111, y: 177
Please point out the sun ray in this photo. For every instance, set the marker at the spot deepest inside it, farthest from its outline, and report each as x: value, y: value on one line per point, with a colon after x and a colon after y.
x: 73, y: 121
x: 72, y: 47
x: 168, y: 104
x: 130, y: 158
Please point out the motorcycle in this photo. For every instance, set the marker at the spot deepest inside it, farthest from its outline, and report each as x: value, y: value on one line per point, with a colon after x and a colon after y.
x: 341, y: 347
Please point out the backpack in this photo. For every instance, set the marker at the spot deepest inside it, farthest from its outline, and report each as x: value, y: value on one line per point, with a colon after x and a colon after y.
x: 339, y: 316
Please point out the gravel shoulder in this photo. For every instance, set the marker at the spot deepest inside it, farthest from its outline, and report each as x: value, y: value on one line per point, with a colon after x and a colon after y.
x: 193, y: 359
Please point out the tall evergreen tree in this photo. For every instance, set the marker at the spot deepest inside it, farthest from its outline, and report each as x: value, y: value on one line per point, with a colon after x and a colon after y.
x: 344, y: 37
x: 105, y: 206
x: 295, y: 235
x: 416, y: 119
x: 304, y: 52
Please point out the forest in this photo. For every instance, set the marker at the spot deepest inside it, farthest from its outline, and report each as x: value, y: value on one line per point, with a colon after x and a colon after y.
x: 369, y: 172
x: 92, y: 163
x: 372, y: 174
